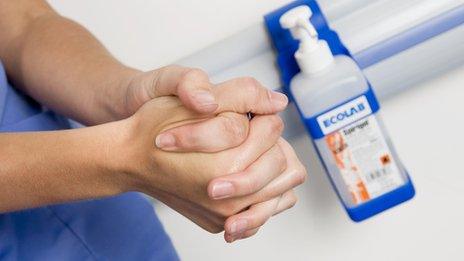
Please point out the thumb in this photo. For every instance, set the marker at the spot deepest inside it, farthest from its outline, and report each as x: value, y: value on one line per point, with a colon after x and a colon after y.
x: 190, y: 85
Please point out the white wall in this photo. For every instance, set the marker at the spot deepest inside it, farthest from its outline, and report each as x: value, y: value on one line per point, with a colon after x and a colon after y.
x: 425, y: 122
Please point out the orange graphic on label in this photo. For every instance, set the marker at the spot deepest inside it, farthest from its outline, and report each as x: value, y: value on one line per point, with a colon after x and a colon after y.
x: 348, y: 168
x: 385, y: 159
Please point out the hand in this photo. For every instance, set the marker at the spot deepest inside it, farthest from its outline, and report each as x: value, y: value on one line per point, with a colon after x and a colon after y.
x: 181, y: 179
x: 196, y: 92
x: 225, y: 131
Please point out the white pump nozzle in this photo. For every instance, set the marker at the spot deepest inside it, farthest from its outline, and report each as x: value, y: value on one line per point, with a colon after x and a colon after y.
x: 297, y: 20
x: 313, y: 55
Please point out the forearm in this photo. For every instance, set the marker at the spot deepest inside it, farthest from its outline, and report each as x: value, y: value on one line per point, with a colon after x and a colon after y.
x: 60, y: 64
x: 41, y: 168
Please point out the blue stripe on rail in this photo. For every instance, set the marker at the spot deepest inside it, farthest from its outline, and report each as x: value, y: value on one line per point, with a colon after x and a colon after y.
x: 411, y: 37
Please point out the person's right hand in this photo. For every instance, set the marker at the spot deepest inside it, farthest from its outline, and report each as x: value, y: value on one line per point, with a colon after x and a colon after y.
x: 266, y: 169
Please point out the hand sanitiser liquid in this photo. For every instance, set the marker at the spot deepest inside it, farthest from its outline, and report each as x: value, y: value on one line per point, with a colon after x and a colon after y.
x: 341, y: 114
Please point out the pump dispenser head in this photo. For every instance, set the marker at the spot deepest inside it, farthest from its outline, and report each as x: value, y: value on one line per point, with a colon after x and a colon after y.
x: 313, y: 55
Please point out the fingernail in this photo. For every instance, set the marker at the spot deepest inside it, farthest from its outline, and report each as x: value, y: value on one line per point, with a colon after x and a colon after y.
x: 234, y: 238
x: 278, y: 98
x: 165, y: 140
x: 238, y: 227
x: 229, y: 238
x: 222, y: 189
x: 205, y: 98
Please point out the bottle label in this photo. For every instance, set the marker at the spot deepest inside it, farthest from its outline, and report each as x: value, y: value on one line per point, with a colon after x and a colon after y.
x: 344, y: 115
x: 362, y: 155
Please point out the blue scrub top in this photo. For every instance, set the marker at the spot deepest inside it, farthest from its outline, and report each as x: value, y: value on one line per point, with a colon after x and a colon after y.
x: 124, y: 227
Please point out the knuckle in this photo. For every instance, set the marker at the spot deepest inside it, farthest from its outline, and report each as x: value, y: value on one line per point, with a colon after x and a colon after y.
x: 235, y: 128
x: 191, y: 75
x: 189, y: 138
x: 251, y: 85
x: 194, y: 73
x: 251, y: 185
x: 281, y: 160
x: 300, y: 175
x: 250, y: 82
x: 276, y: 124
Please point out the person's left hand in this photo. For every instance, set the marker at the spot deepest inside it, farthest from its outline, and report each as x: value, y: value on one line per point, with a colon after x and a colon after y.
x: 196, y: 92
x: 190, y: 85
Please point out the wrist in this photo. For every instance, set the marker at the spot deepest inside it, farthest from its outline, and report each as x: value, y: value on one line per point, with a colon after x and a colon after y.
x: 123, y: 157
x: 135, y: 91
x: 114, y: 100
x: 110, y: 157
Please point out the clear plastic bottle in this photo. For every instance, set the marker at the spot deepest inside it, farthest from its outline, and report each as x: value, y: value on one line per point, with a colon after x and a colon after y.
x: 341, y: 113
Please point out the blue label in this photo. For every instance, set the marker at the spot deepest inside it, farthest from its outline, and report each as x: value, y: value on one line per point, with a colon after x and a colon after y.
x: 342, y: 114
x: 345, y: 114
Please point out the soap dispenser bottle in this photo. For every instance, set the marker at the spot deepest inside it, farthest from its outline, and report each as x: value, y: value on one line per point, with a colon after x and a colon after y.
x: 340, y: 112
